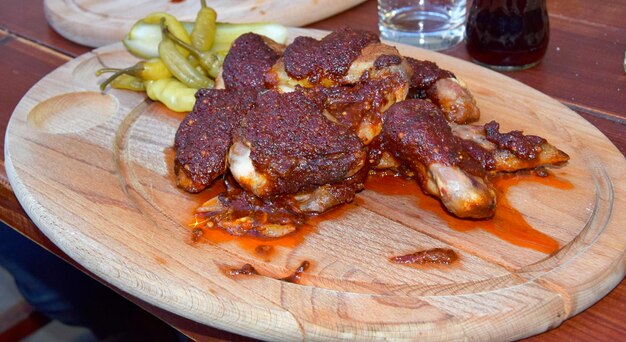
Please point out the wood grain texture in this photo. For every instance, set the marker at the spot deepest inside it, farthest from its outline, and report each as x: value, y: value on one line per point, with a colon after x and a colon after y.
x: 24, y: 18
x: 110, y: 203
x: 98, y: 23
x: 585, y: 71
x: 610, y: 13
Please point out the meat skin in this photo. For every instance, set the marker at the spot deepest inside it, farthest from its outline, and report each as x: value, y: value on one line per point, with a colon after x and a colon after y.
x: 297, y: 129
x: 331, y: 57
x: 205, y: 134
x: 248, y: 60
x: 294, y: 146
x: 426, y: 73
x: 416, y: 132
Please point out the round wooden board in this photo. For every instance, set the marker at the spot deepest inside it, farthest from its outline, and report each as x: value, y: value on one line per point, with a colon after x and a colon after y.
x: 99, y: 23
x: 94, y: 173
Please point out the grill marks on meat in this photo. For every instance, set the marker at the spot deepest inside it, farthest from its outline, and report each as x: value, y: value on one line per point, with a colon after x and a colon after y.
x: 248, y: 60
x: 331, y: 57
x: 204, y: 136
x: 293, y: 145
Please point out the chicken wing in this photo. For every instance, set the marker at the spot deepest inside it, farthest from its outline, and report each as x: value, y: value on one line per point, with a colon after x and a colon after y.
x: 361, y: 107
x: 344, y: 57
x: 443, y: 89
x: 417, y: 134
x: 204, y: 136
x: 507, y: 152
x: 250, y: 57
x: 297, y: 129
x: 286, y: 145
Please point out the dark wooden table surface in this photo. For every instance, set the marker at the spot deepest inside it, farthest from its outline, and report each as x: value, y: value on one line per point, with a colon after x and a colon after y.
x: 583, y: 69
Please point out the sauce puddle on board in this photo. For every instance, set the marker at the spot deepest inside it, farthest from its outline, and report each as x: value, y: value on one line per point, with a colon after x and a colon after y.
x: 261, y: 247
x: 507, y: 224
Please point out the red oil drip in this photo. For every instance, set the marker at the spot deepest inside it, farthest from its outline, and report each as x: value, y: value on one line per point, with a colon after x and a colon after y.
x: 260, y: 246
x: 508, y: 223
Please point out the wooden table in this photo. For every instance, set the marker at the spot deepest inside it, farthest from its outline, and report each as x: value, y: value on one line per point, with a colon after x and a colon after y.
x: 583, y: 69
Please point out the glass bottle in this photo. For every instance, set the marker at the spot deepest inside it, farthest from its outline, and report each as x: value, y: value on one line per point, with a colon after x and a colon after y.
x: 507, y: 34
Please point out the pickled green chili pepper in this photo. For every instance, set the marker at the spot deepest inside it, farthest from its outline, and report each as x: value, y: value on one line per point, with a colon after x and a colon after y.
x: 226, y: 33
x: 172, y: 93
x: 152, y: 69
x: 210, y: 61
x: 172, y: 24
x: 143, y: 39
x: 128, y: 82
x: 217, y: 65
x: 182, y: 53
x: 179, y: 66
x: 203, y: 33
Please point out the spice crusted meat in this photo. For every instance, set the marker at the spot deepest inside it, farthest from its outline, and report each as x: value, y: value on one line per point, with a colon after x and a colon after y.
x: 204, y: 136
x: 426, y: 73
x: 330, y: 57
x: 292, y: 145
x: 297, y: 129
x: 351, y: 104
x: 248, y: 60
x: 417, y: 133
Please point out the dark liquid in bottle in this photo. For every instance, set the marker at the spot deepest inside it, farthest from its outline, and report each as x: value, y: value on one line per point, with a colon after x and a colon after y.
x: 508, y: 33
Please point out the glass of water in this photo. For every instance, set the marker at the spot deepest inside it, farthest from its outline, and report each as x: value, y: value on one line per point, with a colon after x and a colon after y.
x: 430, y: 24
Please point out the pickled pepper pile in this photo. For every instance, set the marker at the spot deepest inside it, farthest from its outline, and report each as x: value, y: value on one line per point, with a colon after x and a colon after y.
x: 180, y: 57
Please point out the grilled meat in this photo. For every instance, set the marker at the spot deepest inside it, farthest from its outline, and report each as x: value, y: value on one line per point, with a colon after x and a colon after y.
x: 444, y: 89
x: 286, y: 145
x: 205, y: 135
x: 508, y: 152
x: 298, y: 128
x: 248, y: 60
x: 417, y: 134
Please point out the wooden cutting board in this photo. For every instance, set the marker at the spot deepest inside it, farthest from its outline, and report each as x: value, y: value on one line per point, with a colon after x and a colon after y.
x: 99, y: 23
x: 94, y: 172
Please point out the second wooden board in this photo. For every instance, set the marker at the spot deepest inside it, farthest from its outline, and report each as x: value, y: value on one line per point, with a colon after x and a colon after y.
x: 94, y: 172
x: 99, y: 23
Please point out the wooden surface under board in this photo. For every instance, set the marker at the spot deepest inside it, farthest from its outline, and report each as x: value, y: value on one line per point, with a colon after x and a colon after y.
x: 93, y: 173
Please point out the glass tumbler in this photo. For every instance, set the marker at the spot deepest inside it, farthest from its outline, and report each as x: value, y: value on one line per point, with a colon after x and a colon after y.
x: 430, y: 24
x: 507, y: 34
